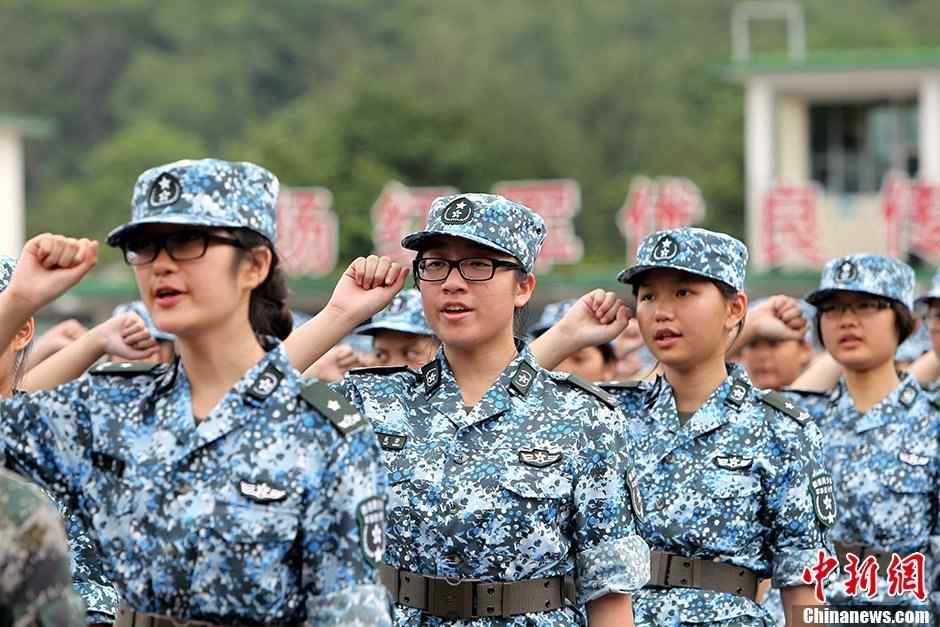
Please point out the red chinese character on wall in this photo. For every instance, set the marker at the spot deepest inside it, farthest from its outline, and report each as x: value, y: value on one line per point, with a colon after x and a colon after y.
x: 788, y: 224
x: 861, y: 577
x: 907, y: 575
x: 308, y: 231
x: 558, y: 202
x: 650, y: 206
x: 818, y: 572
x: 400, y: 210
x: 895, y: 207
x: 924, y: 220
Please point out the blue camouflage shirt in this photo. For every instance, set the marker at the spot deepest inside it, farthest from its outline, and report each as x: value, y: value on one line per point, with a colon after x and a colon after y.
x: 528, y: 483
x: 260, y: 513
x: 886, y: 468
x: 733, y: 484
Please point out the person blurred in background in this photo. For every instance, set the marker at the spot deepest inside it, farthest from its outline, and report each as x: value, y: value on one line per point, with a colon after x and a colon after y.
x: 773, y: 361
x: 591, y: 363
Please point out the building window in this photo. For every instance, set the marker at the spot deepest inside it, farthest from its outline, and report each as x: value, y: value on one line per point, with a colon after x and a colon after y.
x: 854, y: 145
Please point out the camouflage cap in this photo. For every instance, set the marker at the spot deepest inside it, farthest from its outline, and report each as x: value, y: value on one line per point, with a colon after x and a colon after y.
x: 487, y: 219
x: 914, y: 346
x: 697, y: 251
x: 933, y: 292
x: 552, y: 313
x: 205, y: 192
x: 138, y: 308
x: 404, y: 314
x: 7, y: 265
x: 869, y: 274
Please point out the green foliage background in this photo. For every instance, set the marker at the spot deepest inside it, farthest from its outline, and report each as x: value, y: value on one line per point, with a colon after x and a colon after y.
x: 351, y: 93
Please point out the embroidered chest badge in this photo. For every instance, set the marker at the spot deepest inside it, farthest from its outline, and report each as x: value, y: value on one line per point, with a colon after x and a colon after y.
x: 733, y: 462
x: 539, y: 458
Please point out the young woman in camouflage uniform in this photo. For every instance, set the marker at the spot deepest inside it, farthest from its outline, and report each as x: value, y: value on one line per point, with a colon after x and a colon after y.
x: 224, y: 489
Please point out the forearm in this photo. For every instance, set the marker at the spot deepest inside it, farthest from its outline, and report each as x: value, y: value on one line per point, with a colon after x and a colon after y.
x: 553, y: 347
x: 821, y: 376
x: 927, y: 368
x: 611, y: 610
x: 315, y: 337
x: 67, y: 364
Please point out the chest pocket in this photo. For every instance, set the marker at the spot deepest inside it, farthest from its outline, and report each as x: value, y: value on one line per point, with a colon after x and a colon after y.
x: 536, y: 503
x: 912, y: 477
x: 249, y: 552
x: 733, y: 500
x: 108, y: 490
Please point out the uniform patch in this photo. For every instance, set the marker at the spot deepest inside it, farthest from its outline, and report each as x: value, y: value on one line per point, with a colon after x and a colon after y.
x: 523, y: 379
x: 266, y: 383
x: 908, y: 395
x: 370, y: 515
x: 913, y: 459
x: 261, y: 492
x: 539, y: 458
x: 824, y: 499
x: 391, y: 441
x: 636, y: 499
x: 736, y: 394
x: 733, y: 462
x: 459, y: 211
x: 847, y: 271
x: 609, y: 399
x: 666, y: 248
x: 129, y: 369
x: 333, y: 407
x: 778, y: 402
x: 165, y: 190
x: 432, y: 376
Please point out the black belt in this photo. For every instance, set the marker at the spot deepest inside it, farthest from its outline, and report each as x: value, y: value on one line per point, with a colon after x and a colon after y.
x: 454, y: 598
x: 669, y: 570
x: 862, y: 551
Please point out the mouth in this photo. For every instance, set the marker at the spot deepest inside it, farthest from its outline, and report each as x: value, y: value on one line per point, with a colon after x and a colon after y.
x: 455, y: 311
x: 167, y: 296
x: 849, y: 341
x: 665, y: 338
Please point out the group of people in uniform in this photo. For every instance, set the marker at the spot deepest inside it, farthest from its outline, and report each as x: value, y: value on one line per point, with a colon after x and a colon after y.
x: 224, y: 468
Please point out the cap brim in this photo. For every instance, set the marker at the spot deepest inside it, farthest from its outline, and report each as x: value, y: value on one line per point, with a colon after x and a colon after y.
x: 374, y: 327
x: 818, y: 296
x: 630, y: 275
x: 416, y: 241
x: 116, y: 236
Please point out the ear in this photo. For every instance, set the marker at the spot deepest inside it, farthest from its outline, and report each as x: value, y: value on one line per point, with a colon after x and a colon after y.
x: 25, y: 335
x: 259, y: 263
x: 737, y: 309
x: 524, y: 289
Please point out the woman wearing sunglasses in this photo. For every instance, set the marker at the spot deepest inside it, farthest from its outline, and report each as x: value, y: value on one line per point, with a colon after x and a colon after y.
x: 223, y: 489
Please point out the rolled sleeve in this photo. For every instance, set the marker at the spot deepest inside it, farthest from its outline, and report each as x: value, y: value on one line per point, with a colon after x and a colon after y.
x: 618, y: 566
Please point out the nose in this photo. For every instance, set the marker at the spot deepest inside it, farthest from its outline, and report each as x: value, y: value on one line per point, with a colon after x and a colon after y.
x: 163, y: 263
x: 663, y: 312
x: 454, y: 281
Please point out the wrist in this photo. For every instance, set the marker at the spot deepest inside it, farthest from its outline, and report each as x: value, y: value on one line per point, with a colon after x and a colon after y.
x: 341, y: 319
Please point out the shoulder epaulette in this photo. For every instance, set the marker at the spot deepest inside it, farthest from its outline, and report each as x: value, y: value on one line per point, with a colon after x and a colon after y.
x: 606, y: 397
x: 789, y: 408
x: 825, y: 394
x: 334, y: 407
x: 129, y: 369
x: 632, y: 384
x: 378, y: 370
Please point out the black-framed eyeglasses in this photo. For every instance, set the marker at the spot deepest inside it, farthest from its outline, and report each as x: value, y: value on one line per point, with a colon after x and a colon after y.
x: 183, y: 245
x: 862, y: 308
x: 436, y: 269
x: 931, y: 316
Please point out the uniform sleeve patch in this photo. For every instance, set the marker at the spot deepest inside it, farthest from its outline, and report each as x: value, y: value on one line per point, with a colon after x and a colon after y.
x: 778, y: 402
x: 636, y: 499
x: 334, y: 408
x: 606, y: 397
x: 128, y: 369
x: 824, y: 500
x: 370, y: 516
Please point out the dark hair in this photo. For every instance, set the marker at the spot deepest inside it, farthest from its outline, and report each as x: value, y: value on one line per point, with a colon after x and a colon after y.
x: 904, y: 322
x: 267, y: 310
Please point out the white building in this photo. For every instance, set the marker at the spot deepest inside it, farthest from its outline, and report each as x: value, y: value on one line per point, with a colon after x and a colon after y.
x: 13, y: 131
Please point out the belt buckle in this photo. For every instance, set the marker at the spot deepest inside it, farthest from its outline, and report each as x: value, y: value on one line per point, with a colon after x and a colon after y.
x: 451, y: 598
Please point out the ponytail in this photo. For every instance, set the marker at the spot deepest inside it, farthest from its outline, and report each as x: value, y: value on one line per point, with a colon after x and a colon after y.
x: 267, y: 310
